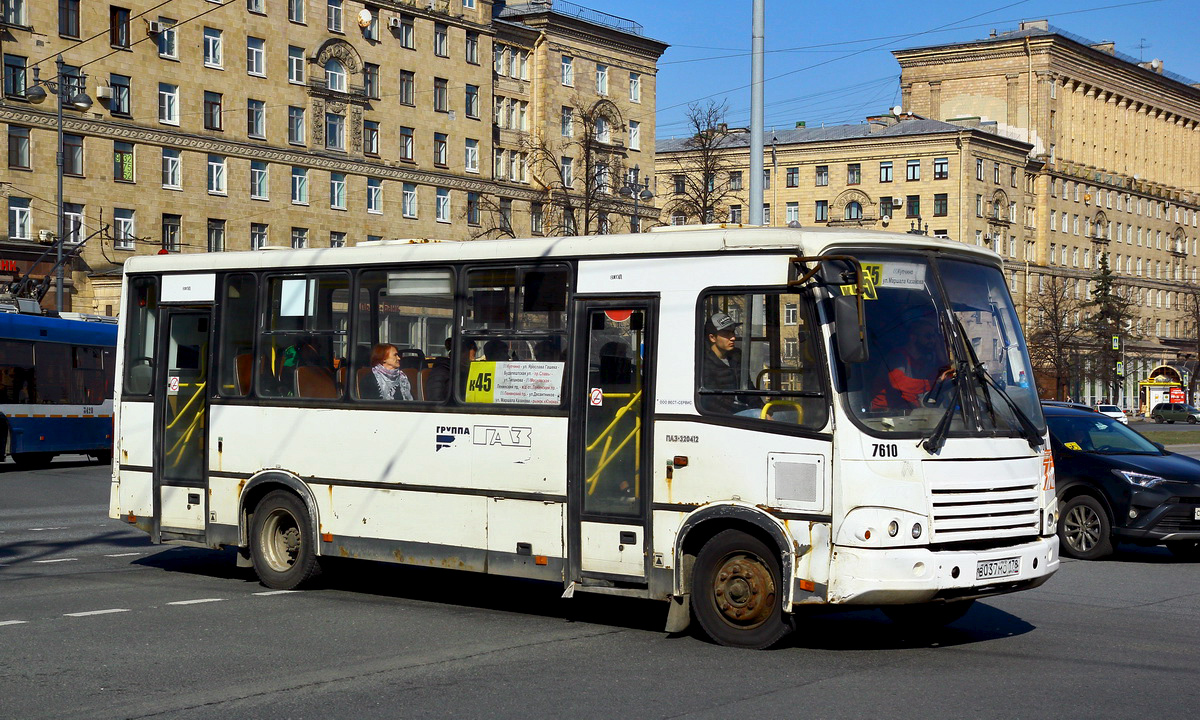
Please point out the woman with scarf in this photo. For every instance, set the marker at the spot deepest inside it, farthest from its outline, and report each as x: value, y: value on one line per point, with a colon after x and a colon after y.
x: 386, y: 380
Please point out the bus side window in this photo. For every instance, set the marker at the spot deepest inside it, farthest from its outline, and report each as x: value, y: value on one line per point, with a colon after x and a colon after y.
x: 235, y: 353
x: 141, y: 336
x: 16, y: 372
x: 304, y: 326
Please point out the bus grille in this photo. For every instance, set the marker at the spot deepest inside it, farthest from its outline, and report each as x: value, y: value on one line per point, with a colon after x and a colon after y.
x: 967, y: 508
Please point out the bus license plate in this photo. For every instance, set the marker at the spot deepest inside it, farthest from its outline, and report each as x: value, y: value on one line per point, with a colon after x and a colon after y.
x: 989, y: 569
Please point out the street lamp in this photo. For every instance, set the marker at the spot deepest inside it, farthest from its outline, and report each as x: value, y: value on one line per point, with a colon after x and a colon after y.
x: 68, y: 93
x: 638, y: 191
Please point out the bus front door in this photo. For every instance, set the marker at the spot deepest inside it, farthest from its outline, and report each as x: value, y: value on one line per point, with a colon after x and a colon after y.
x: 609, y: 489
x: 180, y: 429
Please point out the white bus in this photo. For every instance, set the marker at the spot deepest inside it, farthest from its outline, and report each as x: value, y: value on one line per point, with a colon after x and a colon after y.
x: 578, y: 416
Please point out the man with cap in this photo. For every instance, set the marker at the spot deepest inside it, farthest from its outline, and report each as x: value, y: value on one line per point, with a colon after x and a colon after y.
x: 720, y: 364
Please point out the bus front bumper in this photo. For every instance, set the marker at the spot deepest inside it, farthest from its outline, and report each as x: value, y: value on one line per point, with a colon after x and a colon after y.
x: 903, y: 576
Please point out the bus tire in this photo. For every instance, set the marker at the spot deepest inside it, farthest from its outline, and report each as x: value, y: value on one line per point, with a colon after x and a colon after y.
x: 281, y: 542
x: 32, y: 460
x: 1084, y: 530
x: 737, y: 595
x: 927, y: 616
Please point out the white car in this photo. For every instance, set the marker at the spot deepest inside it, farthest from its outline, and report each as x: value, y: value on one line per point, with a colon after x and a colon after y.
x: 1113, y: 412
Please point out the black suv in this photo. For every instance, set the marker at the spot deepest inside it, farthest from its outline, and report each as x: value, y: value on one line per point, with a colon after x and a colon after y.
x: 1113, y: 484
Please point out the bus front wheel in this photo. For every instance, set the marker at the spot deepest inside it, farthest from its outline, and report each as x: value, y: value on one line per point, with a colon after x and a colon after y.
x: 737, y: 595
x: 281, y: 542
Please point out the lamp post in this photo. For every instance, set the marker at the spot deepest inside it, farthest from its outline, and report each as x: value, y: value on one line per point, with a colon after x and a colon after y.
x: 67, y: 92
x: 638, y: 191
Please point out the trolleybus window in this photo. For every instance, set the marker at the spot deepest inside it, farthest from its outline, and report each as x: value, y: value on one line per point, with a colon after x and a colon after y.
x: 761, y: 360
x: 141, y: 336
x: 237, y: 334
x: 303, y: 345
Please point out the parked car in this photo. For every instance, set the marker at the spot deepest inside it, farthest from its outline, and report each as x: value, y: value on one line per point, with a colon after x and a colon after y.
x: 1115, y: 485
x: 1066, y: 404
x: 1170, y: 412
x: 1113, y: 412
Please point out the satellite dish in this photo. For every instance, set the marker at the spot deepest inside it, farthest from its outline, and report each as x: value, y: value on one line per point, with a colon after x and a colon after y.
x: 896, y: 110
x: 1156, y: 63
x: 365, y: 18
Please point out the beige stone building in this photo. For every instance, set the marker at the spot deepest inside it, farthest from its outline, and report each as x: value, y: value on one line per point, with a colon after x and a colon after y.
x: 310, y: 123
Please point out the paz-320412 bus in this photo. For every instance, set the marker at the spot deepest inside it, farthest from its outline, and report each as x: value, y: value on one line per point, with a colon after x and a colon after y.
x: 736, y: 421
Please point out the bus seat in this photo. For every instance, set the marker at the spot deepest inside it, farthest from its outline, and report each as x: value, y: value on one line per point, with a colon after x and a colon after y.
x: 411, y: 358
x: 242, y: 365
x: 314, y: 382
x: 361, y: 375
x: 411, y: 373
x: 423, y: 383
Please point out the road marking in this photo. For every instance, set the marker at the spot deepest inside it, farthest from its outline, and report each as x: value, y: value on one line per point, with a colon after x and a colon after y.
x: 60, y: 527
x: 96, y: 612
x: 276, y: 592
x: 56, y: 560
x: 123, y: 554
x: 195, y: 602
x: 12, y: 622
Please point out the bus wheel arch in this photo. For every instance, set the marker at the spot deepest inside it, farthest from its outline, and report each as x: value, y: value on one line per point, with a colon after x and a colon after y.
x: 279, y: 522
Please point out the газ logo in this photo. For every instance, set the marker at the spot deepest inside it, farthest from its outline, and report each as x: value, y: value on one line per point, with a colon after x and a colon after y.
x: 501, y: 435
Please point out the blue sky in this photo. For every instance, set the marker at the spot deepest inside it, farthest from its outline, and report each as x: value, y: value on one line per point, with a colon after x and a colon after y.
x: 837, y: 67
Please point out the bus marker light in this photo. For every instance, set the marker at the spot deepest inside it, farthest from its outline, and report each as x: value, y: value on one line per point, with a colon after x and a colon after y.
x: 807, y: 585
x: 131, y: 519
x: 327, y: 537
x: 680, y: 461
x: 954, y: 572
x: 916, y: 531
x: 540, y: 560
x: 866, y: 535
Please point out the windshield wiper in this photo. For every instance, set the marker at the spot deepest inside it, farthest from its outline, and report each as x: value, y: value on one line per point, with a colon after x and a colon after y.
x: 933, y: 444
x: 1029, y: 430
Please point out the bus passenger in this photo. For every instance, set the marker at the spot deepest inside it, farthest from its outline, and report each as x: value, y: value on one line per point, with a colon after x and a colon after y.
x: 496, y: 351
x: 390, y: 381
x: 437, y: 387
x: 719, y: 367
x: 914, y: 369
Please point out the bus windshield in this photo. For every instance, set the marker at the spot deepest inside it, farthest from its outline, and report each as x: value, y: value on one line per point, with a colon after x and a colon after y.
x: 945, y: 346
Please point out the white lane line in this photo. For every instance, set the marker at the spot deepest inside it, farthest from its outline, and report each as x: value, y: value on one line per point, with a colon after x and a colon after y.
x: 276, y: 592
x: 195, y: 602
x: 96, y: 612
x: 123, y: 554
x: 56, y: 560
x: 60, y: 527
x: 12, y: 622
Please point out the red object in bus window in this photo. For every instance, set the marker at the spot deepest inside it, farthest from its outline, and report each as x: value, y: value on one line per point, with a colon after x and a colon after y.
x: 618, y: 315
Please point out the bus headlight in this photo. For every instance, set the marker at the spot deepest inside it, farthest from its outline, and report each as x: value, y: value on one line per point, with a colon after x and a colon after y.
x: 893, y: 528
x: 916, y: 531
x: 879, y: 527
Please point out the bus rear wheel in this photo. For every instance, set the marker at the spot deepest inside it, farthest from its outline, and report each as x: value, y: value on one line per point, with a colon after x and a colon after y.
x: 281, y: 542
x: 736, y: 592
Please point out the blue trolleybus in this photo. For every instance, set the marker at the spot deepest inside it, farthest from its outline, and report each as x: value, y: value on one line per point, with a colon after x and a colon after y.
x: 56, y: 387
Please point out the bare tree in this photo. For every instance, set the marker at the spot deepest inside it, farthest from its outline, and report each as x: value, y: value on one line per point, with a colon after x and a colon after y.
x: 1054, y: 342
x: 703, y: 165
x: 1190, y: 302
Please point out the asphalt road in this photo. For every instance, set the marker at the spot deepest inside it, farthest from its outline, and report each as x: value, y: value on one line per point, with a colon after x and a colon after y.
x: 97, y: 623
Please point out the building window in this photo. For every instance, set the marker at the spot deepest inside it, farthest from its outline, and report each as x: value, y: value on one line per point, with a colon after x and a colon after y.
x: 441, y: 40
x: 473, y: 208
x: 408, y: 205
x: 441, y: 95
x: 167, y: 46
x: 567, y: 171
x: 333, y: 15
x: 885, y: 207
x: 408, y: 82
x: 996, y: 173
x: 14, y: 76
x: 124, y: 233
x: 822, y: 175
x: 258, y: 236
x: 603, y: 132
x: 68, y: 18
x: 537, y: 222
x: 337, y: 239
x: 123, y: 161
x: 408, y: 38
x: 853, y: 174
x: 941, y: 205
x: 370, y: 137
x: 256, y: 119
x: 601, y: 79
x: 171, y: 232
x: 735, y: 180
x: 471, y: 101
x: 295, y: 125
x: 406, y: 144
x: 295, y: 65
x: 913, y: 170
x: 568, y: 70
x: 853, y: 211
x: 256, y: 56
x: 471, y: 157
x: 792, y: 212
x: 119, y: 104
x: 635, y: 87
x: 118, y: 27
x: 735, y: 214
x: 18, y: 147
x: 885, y: 171
x: 299, y: 238
x: 439, y: 149
x: 793, y: 177
x: 216, y: 175
x: 299, y: 186
x: 443, y: 205
x: 472, y: 47
x: 335, y: 75
x: 337, y: 191
x: 374, y: 196
x: 912, y: 206
x: 259, y: 180
x: 212, y: 110
x: 73, y: 230
x: 335, y: 132
x: 73, y: 155
x: 296, y: 10
x: 567, y: 122
x: 168, y: 104
x: 257, y: 6
x: 766, y: 214
x: 20, y: 224
x: 216, y: 235
x: 941, y: 168
x: 172, y: 171
x: 213, y: 55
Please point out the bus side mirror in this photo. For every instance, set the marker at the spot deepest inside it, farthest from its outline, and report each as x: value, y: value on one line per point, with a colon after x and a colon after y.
x: 849, y: 330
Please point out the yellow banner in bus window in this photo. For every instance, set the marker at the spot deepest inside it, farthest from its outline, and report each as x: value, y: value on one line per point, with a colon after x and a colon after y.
x: 481, y: 382
x: 872, y: 274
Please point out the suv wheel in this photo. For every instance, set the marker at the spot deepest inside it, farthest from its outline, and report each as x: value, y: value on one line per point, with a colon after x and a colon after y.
x: 1084, y: 529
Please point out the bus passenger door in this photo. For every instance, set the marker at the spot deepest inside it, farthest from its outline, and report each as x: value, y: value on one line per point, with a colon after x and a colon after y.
x: 181, y: 423
x: 608, y: 508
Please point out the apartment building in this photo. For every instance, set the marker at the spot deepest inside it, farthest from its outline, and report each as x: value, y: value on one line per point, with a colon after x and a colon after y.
x: 218, y: 126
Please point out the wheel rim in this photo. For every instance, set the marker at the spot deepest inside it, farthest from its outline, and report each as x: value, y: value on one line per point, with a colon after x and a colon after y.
x: 743, y: 591
x: 281, y: 540
x: 1081, y: 526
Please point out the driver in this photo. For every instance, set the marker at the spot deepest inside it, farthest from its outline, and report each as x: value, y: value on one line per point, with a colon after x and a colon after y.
x: 914, y: 369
